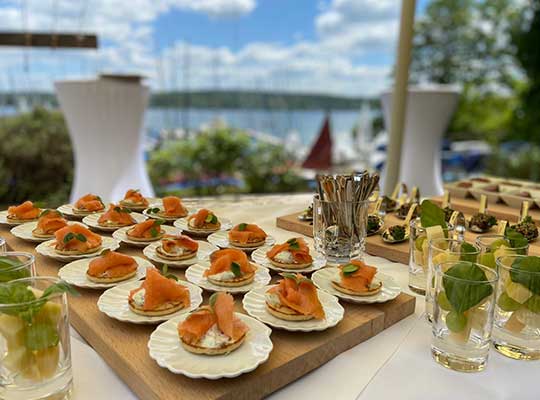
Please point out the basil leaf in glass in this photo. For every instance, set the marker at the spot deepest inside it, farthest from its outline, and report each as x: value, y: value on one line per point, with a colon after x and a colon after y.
x: 526, y: 270
x: 516, y: 239
x: 468, y: 289
x: 432, y: 215
x: 41, y: 335
x: 468, y: 248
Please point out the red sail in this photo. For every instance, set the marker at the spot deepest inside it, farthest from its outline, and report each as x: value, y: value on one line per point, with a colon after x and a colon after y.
x: 320, y: 156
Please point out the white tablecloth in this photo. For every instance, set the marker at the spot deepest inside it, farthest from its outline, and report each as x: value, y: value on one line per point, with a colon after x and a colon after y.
x: 394, y: 364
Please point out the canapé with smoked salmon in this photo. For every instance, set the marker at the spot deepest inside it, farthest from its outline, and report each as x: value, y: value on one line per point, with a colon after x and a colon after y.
x: 358, y: 279
x: 294, y: 298
x: 203, y: 221
x: 158, y: 295
x: 48, y: 223
x: 230, y: 268
x: 76, y: 239
x: 111, y: 267
x: 172, y: 208
x: 134, y: 200
x: 177, y: 247
x: 247, y: 235
x: 88, y: 204
x: 146, y: 231
x: 116, y: 216
x: 24, y: 212
x: 293, y: 254
x: 213, y: 329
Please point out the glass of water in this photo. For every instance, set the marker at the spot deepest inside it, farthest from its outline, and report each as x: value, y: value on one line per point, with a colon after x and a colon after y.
x: 494, y: 246
x: 34, y: 341
x: 463, y: 308
x: 16, y: 265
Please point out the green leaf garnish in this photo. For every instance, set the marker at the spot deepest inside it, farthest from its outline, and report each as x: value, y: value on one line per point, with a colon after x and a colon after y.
x: 60, y: 287
x: 471, y: 250
x: 159, y: 222
x: 526, y: 271
x: 214, y: 220
x: 242, y: 227
x: 153, y: 231
x: 432, y: 215
x: 289, y: 275
x: 208, y: 218
x: 68, y: 237
x: 44, y: 212
x: 80, y: 237
x: 236, y: 270
x: 516, y: 239
x: 349, y: 269
x: 41, y: 335
x: 461, y: 292
x: 212, y: 300
x: 293, y: 244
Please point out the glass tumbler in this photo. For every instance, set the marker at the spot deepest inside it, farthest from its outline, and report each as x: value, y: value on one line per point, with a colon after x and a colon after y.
x: 494, y: 246
x: 16, y: 265
x: 463, y: 315
x: 3, y: 246
x: 419, y: 255
x: 34, y: 341
x: 516, y: 332
x: 442, y: 250
x: 339, y: 229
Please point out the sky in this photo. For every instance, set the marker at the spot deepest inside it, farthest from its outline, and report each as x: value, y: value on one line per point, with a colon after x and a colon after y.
x: 340, y: 47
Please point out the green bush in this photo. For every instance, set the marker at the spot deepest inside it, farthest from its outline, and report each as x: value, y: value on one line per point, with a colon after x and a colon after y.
x: 36, y: 159
x: 524, y: 164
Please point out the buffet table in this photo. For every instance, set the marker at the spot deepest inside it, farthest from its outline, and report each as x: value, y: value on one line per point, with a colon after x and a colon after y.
x: 395, y: 363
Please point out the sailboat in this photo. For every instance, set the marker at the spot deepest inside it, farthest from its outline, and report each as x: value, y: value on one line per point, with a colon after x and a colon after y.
x: 320, y: 155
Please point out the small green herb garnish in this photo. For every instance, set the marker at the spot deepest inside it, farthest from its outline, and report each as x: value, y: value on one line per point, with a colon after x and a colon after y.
x: 293, y: 244
x: 165, y: 272
x: 44, y: 212
x: 153, y: 231
x: 236, y: 270
x: 154, y: 210
x: 68, y: 237
x: 212, y: 300
x: 349, y: 269
x: 242, y: 227
x: 80, y: 237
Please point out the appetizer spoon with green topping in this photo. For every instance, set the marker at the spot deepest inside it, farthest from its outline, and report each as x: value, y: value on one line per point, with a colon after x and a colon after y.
x: 399, y: 233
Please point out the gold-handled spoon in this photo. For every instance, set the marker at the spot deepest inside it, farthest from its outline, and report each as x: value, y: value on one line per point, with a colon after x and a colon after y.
x: 376, y: 217
x: 388, y: 234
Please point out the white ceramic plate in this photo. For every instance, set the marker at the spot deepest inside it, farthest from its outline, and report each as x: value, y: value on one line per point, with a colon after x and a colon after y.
x: 67, y: 209
x: 195, y: 274
x: 75, y: 273
x: 255, y: 304
x: 92, y: 221
x: 259, y: 256
x: 155, y: 216
x: 47, y: 249
x: 182, y: 223
x: 205, y: 249
x: 120, y: 234
x: 390, y: 289
x: 5, y: 221
x: 24, y: 231
x: 114, y: 303
x: 166, y: 349
x: 221, y: 239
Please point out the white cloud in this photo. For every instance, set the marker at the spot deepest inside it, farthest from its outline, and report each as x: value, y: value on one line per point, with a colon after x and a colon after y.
x: 217, y: 8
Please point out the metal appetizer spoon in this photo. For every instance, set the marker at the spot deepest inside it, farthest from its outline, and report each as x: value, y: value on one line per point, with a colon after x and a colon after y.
x: 387, y: 236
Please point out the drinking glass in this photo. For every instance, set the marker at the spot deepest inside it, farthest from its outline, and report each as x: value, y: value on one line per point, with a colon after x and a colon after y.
x: 516, y: 332
x: 463, y: 315
x: 16, y: 265
x: 418, y: 255
x: 440, y: 251
x: 339, y: 229
x: 493, y: 246
x: 3, y: 246
x: 34, y: 342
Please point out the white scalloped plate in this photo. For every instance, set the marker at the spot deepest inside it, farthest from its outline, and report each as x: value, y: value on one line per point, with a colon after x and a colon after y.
x: 24, y: 231
x: 390, y: 289
x: 182, y: 223
x: 166, y: 349
x: 255, y: 304
x: 221, y: 239
x: 74, y: 273
x: 160, y: 206
x: 120, y: 234
x: 259, y: 256
x: 5, y: 221
x: 67, y: 209
x: 205, y: 249
x: 114, y: 303
x: 195, y: 274
x: 92, y: 221
x: 47, y: 249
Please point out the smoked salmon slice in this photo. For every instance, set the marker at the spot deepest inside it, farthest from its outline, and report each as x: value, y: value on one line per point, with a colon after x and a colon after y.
x: 118, y: 215
x: 145, y: 229
x: 77, y: 231
x: 50, y: 221
x: 134, y: 196
x: 169, y: 242
x: 296, y: 246
x: 159, y: 290
x: 222, y: 260
x: 359, y: 280
x: 115, y: 264
x: 245, y: 233
x: 198, y: 220
x: 26, y: 210
x: 90, y: 202
x: 195, y: 326
x: 299, y: 294
x: 173, y: 206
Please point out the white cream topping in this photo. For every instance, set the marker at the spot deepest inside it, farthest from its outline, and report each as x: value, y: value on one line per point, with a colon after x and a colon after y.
x: 272, y: 299
x: 175, y: 250
x: 284, y: 257
x: 223, y: 276
x: 214, y: 338
x: 138, y: 298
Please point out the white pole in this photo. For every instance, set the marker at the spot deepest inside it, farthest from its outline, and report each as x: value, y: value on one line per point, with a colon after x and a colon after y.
x: 399, y: 98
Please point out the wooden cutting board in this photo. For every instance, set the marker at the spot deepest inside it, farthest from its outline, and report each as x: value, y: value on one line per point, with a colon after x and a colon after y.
x: 124, y: 346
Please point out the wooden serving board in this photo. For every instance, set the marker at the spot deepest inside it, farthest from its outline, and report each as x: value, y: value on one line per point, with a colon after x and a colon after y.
x: 124, y: 346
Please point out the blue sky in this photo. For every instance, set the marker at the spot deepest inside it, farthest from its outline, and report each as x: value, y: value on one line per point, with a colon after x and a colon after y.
x: 330, y: 46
